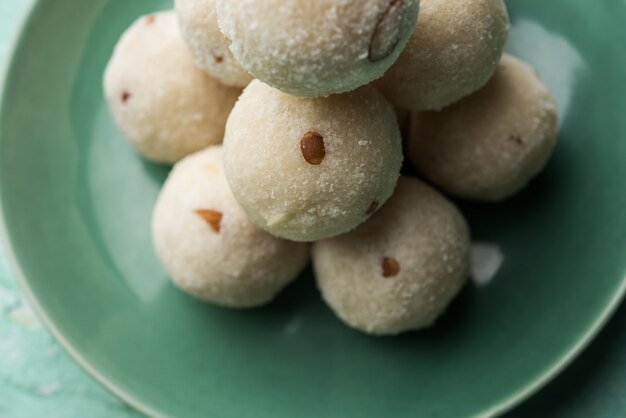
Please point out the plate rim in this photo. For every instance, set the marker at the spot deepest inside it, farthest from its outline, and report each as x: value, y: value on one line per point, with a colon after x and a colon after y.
x: 509, y: 402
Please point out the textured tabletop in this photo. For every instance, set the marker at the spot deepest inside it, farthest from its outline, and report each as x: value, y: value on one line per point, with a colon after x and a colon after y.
x: 37, y: 378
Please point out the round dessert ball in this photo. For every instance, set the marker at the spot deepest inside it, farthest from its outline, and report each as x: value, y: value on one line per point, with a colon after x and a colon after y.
x: 165, y: 106
x: 199, y: 28
x: 308, y: 169
x: 399, y: 271
x: 490, y: 145
x: 207, y: 244
x: 317, y: 48
x: 453, y: 52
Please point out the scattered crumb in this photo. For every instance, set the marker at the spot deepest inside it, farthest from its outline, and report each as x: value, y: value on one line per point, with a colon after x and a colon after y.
x: 23, y: 316
x: 293, y: 326
x: 485, y: 261
x: 49, y: 389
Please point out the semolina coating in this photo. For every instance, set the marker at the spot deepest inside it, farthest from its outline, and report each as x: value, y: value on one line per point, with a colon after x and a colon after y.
x: 207, y: 244
x: 453, y: 52
x: 164, y: 105
x: 317, y: 48
x: 490, y: 145
x: 308, y: 169
x: 400, y: 270
x: 199, y: 29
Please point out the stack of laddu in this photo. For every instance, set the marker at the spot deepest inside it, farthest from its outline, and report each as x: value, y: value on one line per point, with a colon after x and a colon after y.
x: 312, y: 146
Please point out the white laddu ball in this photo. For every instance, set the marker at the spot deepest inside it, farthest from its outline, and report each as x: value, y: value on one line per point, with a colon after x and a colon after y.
x: 490, y: 145
x: 399, y: 271
x: 317, y: 48
x: 308, y: 169
x: 208, y: 245
x: 164, y: 105
x: 199, y: 28
x: 453, y: 52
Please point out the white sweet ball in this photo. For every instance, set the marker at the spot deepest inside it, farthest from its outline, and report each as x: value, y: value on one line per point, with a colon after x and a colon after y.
x: 317, y: 48
x: 453, y: 52
x: 308, y: 169
x: 399, y: 271
x: 164, y: 105
x: 199, y: 28
x: 208, y: 245
x: 490, y: 145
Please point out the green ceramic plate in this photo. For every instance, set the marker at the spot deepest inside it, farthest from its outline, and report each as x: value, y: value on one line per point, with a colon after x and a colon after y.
x: 76, y: 204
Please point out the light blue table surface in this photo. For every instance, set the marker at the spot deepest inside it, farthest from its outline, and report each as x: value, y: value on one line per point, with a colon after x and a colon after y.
x: 38, y: 379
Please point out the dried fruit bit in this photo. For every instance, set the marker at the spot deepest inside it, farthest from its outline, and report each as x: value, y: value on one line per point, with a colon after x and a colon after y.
x: 391, y: 267
x: 125, y: 96
x: 517, y: 138
x: 386, y: 34
x: 150, y: 19
x: 211, y: 217
x: 312, y: 147
x: 372, y: 208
